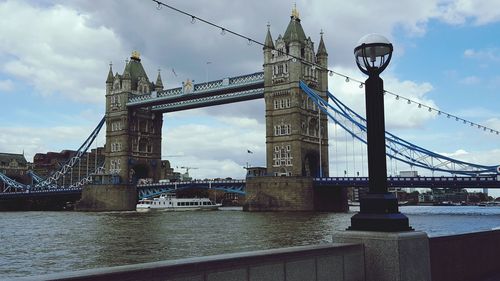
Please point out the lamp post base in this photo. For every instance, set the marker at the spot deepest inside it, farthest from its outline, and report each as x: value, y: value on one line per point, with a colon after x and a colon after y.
x: 379, y: 212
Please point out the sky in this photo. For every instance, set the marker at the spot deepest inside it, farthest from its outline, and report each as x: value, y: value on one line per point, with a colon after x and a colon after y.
x: 55, y: 56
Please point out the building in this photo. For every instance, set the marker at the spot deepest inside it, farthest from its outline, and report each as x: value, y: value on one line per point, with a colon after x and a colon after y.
x: 167, y: 172
x: 256, y: 171
x: 44, y: 164
x: 15, y: 167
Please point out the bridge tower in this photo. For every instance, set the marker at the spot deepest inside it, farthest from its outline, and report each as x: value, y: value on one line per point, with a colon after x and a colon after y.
x: 294, y: 126
x: 133, y: 136
x: 296, y: 131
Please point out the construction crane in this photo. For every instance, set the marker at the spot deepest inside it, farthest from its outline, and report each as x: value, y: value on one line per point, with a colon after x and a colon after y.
x: 185, y: 176
x: 189, y: 168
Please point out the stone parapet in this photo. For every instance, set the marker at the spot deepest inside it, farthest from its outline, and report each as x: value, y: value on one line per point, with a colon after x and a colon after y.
x: 315, y: 263
x: 392, y: 256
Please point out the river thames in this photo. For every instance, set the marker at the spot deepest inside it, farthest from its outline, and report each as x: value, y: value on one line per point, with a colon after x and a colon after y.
x: 36, y: 243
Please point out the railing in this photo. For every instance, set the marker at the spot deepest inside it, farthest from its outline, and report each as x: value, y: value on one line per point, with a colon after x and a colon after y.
x: 471, y: 256
x: 201, y: 88
x: 428, y: 182
x: 210, y: 100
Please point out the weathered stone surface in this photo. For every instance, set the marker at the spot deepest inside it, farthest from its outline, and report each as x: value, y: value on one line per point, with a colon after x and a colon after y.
x: 392, y: 256
x: 279, y: 194
x: 107, y: 197
x: 292, y: 194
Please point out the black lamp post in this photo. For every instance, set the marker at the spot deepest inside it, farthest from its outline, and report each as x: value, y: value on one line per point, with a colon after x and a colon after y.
x: 378, y: 208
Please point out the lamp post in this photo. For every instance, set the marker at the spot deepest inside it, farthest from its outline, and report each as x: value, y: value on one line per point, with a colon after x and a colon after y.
x: 378, y: 208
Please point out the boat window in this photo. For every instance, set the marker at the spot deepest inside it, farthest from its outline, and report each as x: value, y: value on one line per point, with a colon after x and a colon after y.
x: 178, y: 203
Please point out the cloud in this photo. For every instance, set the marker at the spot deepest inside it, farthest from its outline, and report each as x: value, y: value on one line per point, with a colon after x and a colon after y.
x: 62, y: 50
x: 480, y: 12
x: 33, y: 140
x: 486, y: 55
x: 493, y: 123
x: 6, y: 85
x: 482, y: 157
x: 55, y: 50
x: 398, y: 114
x: 471, y: 80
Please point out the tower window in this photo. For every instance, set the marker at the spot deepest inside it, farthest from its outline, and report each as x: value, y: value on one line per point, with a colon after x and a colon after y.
x: 282, y: 130
x: 282, y: 156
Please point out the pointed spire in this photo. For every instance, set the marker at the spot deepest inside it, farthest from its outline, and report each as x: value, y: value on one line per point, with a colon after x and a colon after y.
x: 126, y: 71
x: 295, y: 12
x: 321, y: 47
x: 269, y: 39
x: 294, y: 31
x: 159, y: 83
x: 110, y: 73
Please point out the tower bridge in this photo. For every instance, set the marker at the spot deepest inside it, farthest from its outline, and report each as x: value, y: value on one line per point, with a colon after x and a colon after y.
x: 298, y: 106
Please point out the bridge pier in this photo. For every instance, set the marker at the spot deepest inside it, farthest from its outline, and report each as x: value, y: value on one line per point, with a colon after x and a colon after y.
x: 292, y: 194
x: 107, y: 197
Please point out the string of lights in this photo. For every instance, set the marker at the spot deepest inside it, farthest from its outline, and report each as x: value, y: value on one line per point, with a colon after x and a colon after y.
x: 331, y: 72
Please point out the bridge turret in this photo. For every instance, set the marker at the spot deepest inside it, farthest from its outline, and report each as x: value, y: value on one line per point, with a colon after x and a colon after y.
x: 293, y: 129
x: 322, y: 60
x: 159, y: 83
x: 126, y: 78
x: 110, y: 79
x: 133, y: 135
x: 269, y: 54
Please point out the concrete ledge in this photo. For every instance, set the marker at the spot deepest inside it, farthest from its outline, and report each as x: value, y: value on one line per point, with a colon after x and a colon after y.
x: 471, y: 256
x: 321, y: 262
x: 394, y: 256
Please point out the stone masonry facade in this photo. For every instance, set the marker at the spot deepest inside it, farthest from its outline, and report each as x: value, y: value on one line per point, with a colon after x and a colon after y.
x: 133, y: 136
x: 294, y: 126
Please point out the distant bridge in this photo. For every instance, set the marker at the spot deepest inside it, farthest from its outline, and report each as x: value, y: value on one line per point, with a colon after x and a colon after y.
x: 60, y: 196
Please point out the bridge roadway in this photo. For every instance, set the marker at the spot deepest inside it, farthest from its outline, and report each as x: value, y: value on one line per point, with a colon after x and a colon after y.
x: 238, y: 186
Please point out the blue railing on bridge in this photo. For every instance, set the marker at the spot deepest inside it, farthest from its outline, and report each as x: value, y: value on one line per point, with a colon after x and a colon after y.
x: 238, y: 186
x: 155, y: 189
x: 416, y: 182
x: 200, y: 89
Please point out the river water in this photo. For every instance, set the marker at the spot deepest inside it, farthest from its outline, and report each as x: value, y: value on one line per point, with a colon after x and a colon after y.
x: 35, y: 243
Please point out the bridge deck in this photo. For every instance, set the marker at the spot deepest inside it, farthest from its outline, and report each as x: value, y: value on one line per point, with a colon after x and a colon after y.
x: 238, y: 186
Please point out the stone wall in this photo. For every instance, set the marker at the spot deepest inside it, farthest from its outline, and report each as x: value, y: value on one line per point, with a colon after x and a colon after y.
x: 312, y: 263
x: 471, y: 256
x: 292, y: 194
x: 279, y: 194
x: 107, y: 197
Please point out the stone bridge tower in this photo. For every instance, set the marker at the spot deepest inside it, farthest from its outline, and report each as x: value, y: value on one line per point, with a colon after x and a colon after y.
x: 296, y: 132
x: 133, y: 136
x: 294, y: 127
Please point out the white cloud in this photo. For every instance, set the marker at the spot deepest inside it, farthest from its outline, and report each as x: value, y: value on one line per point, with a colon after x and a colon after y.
x: 6, y: 85
x: 481, y: 157
x: 34, y: 140
x: 63, y: 51
x: 55, y: 50
x: 493, y: 123
x: 486, y: 55
x: 479, y: 11
x: 471, y: 80
x: 398, y: 114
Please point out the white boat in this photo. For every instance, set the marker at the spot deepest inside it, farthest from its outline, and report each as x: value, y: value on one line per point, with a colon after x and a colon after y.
x: 171, y: 203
